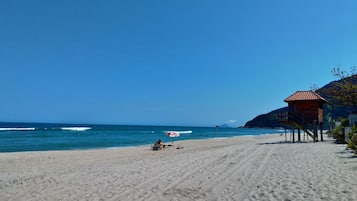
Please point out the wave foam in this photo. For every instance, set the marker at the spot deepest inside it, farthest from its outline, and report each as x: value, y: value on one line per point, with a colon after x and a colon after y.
x: 17, y: 129
x: 181, y: 132
x: 76, y: 128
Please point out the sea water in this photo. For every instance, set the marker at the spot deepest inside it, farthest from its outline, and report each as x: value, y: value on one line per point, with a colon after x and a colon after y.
x: 15, y: 137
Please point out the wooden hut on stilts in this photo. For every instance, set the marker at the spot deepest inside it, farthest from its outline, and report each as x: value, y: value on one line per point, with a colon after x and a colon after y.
x: 305, y: 112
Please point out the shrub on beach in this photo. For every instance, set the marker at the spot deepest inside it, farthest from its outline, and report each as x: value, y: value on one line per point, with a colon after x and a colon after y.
x: 339, y: 132
x: 352, y: 143
x: 352, y: 139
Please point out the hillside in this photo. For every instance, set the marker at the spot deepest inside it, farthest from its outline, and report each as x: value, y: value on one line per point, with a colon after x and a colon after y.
x: 270, y: 120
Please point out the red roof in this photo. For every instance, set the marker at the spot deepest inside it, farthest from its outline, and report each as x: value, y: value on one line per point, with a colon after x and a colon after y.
x: 305, y: 95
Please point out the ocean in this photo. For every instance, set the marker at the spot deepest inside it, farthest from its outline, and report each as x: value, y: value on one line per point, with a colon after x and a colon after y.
x: 17, y: 137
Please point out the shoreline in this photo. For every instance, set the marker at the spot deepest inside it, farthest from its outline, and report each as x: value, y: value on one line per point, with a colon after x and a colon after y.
x: 238, y: 168
x: 139, y: 145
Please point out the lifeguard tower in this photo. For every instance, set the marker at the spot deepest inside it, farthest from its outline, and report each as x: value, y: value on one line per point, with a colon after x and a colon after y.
x: 305, y: 112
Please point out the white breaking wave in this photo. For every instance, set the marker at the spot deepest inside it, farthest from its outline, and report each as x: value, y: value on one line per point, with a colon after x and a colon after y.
x: 76, y: 128
x: 181, y: 132
x: 17, y: 129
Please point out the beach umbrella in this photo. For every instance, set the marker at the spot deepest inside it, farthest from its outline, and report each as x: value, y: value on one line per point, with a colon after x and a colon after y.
x: 173, y: 134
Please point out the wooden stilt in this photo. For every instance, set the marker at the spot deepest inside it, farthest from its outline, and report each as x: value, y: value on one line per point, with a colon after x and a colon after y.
x: 315, y: 132
x: 307, y: 137
x: 299, y: 138
x: 293, y: 134
x: 322, y: 139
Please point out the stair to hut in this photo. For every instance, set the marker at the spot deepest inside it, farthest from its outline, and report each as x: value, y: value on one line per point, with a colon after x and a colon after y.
x: 305, y: 129
x: 293, y: 119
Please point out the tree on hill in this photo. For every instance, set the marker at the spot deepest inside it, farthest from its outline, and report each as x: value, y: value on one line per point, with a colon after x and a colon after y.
x: 344, y: 92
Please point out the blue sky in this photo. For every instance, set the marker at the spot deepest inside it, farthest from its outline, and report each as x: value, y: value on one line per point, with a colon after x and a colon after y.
x: 165, y: 62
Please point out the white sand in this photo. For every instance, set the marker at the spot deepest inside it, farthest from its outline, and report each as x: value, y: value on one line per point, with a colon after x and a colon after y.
x: 242, y: 168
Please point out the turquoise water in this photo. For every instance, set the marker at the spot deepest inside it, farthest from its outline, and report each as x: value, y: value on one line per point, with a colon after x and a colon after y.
x: 15, y: 137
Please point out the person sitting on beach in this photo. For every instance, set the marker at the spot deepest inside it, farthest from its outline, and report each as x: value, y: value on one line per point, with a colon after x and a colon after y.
x: 158, y: 145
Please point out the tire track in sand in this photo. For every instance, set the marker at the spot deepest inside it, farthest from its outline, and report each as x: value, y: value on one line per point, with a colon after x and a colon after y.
x: 256, y: 173
x: 139, y: 191
x: 194, y: 183
x: 235, y: 171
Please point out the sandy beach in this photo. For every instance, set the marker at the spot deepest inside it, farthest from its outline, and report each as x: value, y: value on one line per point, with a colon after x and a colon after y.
x: 241, y: 168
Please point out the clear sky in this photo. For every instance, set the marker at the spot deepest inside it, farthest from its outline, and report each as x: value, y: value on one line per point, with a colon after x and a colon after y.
x: 166, y: 62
